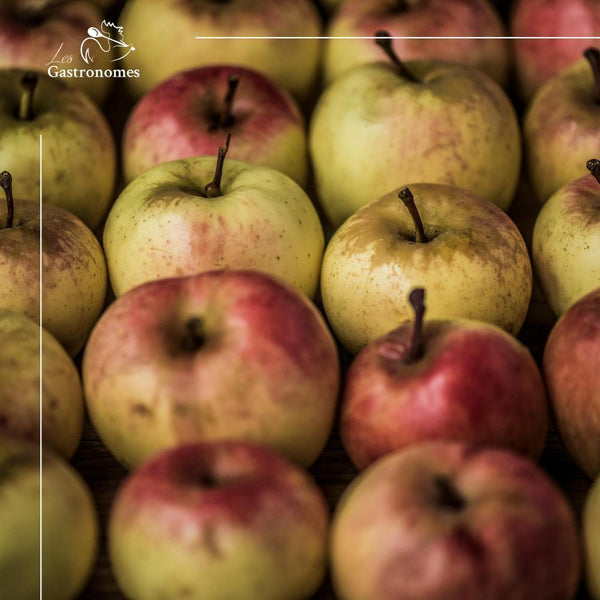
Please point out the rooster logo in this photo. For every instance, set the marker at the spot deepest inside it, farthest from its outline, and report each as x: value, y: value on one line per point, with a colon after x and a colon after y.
x: 107, y: 38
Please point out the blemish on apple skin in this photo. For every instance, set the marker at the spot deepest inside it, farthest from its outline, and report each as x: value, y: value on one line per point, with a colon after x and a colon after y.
x: 141, y: 410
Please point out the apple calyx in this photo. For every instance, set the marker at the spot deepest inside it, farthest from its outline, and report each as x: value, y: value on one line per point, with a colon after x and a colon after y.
x: 6, y: 184
x: 446, y: 495
x: 593, y: 166
x: 415, y: 348
x: 194, y: 336
x: 29, y: 83
x: 213, y: 189
x: 593, y: 57
x: 384, y: 40
x: 225, y: 118
x: 409, y: 201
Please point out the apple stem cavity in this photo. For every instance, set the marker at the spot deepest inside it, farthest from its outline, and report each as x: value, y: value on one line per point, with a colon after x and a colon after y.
x: 29, y: 83
x: 593, y: 166
x: 593, y: 57
x: 6, y: 184
x: 446, y: 494
x: 409, y: 201
x: 194, y: 336
x: 213, y: 189
x: 226, y: 117
x: 415, y: 349
x: 384, y: 40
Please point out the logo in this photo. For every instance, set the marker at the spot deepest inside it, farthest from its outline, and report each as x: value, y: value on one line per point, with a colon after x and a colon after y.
x: 108, y: 38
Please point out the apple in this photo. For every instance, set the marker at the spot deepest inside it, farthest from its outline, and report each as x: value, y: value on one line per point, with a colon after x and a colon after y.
x: 572, y: 374
x: 538, y: 60
x: 591, y: 535
x: 561, y: 128
x: 61, y: 403
x: 461, y: 247
x: 383, y: 125
x: 165, y: 30
x: 450, y: 521
x: 78, y: 150
x: 218, y: 520
x: 452, y: 380
x: 566, y: 241
x: 189, y: 114
x: 192, y: 215
x: 218, y: 355
x: 37, y: 35
x: 73, y: 276
x: 415, y: 18
x: 69, y: 525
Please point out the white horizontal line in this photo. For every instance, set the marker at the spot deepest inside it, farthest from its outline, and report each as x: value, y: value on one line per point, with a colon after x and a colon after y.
x: 393, y: 37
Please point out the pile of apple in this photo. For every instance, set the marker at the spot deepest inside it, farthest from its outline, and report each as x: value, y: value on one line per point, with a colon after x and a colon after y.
x: 277, y: 203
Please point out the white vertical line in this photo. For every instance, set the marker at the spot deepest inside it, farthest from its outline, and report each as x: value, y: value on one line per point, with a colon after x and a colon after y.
x: 41, y: 364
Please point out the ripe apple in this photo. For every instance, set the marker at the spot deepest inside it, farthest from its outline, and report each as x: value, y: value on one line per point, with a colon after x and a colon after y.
x: 538, y: 60
x: 190, y: 113
x: 591, y: 535
x: 219, y: 520
x: 461, y: 247
x: 79, y: 156
x: 73, y: 275
x: 452, y: 380
x: 165, y: 30
x: 187, y: 216
x: 566, y: 241
x: 33, y: 36
x: 69, y: 525
x: 383, y: 125
x: 61, y: 395
x: 451, y: 521
x: 414, y: 18
x: 219, y: 355
x: 562, y: 126
x: 572, y: 373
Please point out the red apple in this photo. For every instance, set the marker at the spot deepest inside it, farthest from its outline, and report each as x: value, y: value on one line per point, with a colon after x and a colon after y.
x: 537, y: 60
x: 454, y: 380
x: 572, y: 373
x: 449, y: 521
x: 220, y: 520
x: 222, y: 354
x: 190, y: 113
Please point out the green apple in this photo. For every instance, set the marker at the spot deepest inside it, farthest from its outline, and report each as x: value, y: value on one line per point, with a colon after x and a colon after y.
x: 61, y: 395
x: 69, y: 525
x: 561, y: 128
x: 463, y: 248
x: 186, y: 216
x: 79, y: 155
x: 74, y: 277
x: 591, y: 538
x: 383, y: 125
x: 566, y: 241
x: 164, y: 33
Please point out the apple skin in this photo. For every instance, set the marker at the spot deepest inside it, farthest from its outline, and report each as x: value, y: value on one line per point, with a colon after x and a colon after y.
x: 566, y: 243
x: 561, y: 130
x: 162, y: 226
x: 173, y: 121
x: 30, y: 40
x: 79, y: 175
x: 474, y: 383
x: 505, y: 531
x: 266, y: 372
x: 164, y: 34
x: 476, y: 265
x: 572, y: 373
x: 219, y: 520
x: 591, y: 536
x: 538, y: 60
x: 69, y: 542
x: 62, y: 396
x: 74, y: 271
x: 475, y: 18
x: 373, y: 131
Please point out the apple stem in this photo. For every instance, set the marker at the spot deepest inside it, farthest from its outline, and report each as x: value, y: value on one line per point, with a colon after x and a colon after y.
x: 447, y: 496
x: 194, y: 336
x: 593, y: 57
x: 6, y: 184
x: 213, y: 189
x: 409, y: 201
x: 29, y: 82
x: 384, y: 40
x: 226, y: 118
x: 415, y: 349
x: 593, y: 166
